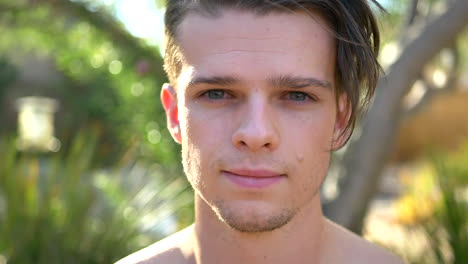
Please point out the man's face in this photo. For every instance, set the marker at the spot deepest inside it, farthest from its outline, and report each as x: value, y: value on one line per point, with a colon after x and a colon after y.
x: 255, y: 113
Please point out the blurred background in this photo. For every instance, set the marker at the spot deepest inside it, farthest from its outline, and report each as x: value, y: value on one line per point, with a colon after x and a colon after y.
x: 89, y: 174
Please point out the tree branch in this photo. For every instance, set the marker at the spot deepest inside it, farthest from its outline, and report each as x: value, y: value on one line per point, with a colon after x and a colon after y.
x: 412, y: 13
x: 366, y: 157
x: 432, y: 90
x: 114, y: 31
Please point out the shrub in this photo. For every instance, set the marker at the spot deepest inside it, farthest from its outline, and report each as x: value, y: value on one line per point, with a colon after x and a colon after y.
x: 62, y: 208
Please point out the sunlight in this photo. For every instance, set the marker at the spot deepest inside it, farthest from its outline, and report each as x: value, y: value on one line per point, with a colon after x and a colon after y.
x: 142, y: 19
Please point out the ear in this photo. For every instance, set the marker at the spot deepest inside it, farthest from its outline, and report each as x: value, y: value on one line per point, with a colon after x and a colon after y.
x: 343, y: 115
x: 169, y: 102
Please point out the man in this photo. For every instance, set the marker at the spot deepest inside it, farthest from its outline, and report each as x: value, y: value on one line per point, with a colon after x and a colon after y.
x: 261, y: 92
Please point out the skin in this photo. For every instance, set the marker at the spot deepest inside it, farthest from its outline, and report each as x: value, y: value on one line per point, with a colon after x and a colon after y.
x: 257, y: 92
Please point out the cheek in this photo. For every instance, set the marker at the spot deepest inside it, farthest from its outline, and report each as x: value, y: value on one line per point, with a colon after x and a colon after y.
x: 201, y: 141
x: 310, y: 147
x: 202, y: 131
x: 312, y: 129
x: 312, y: 159
x: 191, y: 154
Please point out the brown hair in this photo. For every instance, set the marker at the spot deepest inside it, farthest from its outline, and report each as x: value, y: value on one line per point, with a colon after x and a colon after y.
x: 352, y: 22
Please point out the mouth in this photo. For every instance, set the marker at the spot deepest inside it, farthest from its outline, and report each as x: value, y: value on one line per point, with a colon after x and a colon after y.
x: 256, y: 179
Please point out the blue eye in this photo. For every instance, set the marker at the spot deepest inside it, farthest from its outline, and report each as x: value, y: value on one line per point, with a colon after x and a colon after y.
x: 215, y: 94
x: 297, y: 96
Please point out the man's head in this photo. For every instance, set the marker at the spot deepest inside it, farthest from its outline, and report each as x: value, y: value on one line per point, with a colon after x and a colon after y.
x: 351, y: 22
x: 261, y: 92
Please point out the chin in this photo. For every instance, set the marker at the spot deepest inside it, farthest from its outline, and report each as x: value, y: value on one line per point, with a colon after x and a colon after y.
x: 252, y: 216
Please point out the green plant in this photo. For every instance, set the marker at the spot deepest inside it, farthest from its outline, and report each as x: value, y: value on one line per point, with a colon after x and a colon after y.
x: 448, y: 232
x: 436, y: 205
x: 63, y: 208
x: 104, y: 74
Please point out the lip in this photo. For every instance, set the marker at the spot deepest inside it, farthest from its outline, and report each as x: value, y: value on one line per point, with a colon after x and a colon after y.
x: 253, y: 178
x: 259, y: 173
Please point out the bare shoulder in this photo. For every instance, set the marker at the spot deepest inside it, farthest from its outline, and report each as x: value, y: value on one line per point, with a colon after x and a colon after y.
x: 347, y: 247
x: 169, y: 250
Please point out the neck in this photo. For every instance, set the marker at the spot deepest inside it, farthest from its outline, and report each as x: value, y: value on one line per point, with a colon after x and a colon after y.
x: 299, y: 240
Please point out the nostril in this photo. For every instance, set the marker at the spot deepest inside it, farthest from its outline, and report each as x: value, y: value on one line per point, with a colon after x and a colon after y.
x: 255, y: 137
x: 252, y: 145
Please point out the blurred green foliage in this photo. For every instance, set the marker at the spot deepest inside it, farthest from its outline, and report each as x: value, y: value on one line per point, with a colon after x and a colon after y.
x: 61, y: 208
x: 447, y: 232
x: 7, y: 74
x: 437, y: 206
x: 110, y: 77
x: 104, y: 194
x: 81, y: 205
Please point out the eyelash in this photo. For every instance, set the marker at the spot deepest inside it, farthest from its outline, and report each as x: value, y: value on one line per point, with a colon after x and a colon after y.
x: 205, y: 95
x: 306, y: 98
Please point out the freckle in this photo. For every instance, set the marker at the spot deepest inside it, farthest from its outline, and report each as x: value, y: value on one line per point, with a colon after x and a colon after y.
x: 300, y: 157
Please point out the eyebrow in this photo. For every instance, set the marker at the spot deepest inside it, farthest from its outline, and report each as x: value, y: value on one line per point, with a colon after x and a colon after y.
x: 280, y: 81
x: 216, y: 80
x: 296, y: 82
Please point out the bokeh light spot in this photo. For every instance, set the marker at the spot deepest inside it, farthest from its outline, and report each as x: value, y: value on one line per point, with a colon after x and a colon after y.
x: 115, y: 67
x: 137, y: 89
x: 152, y: 125
x: 97, y: 61
x: 154, y: 136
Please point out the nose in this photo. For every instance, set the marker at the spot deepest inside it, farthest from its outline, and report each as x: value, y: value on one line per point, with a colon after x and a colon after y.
x: 258, y: 127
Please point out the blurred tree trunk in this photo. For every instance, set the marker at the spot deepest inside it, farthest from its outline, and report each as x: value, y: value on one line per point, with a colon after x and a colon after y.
x: 365, y: 158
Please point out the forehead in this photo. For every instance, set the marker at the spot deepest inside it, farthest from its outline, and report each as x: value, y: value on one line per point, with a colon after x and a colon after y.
x: 278, y: 42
